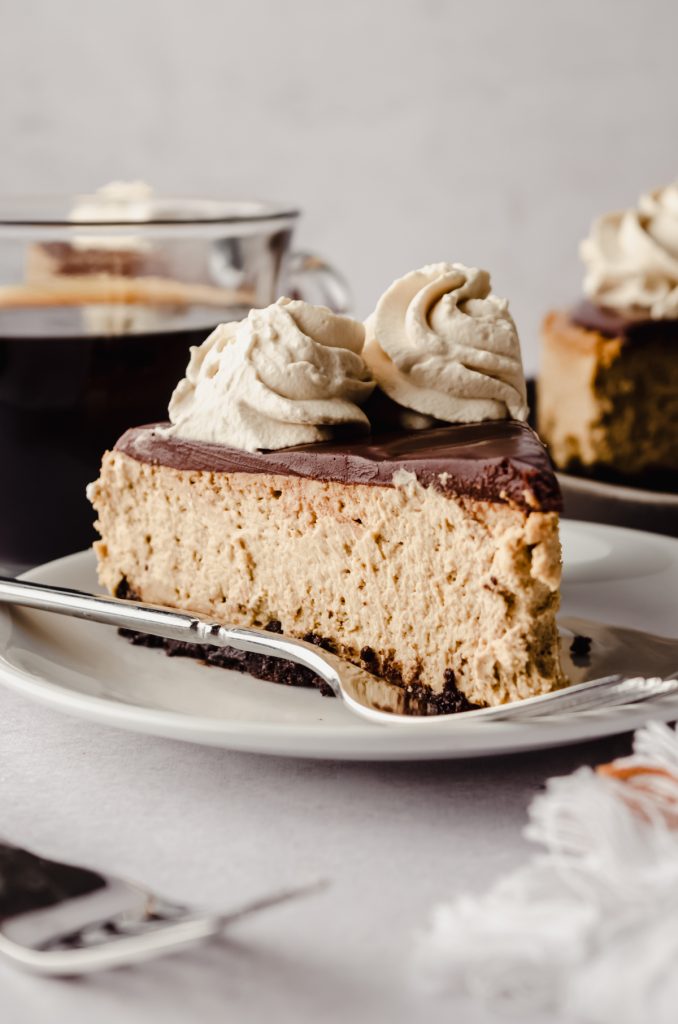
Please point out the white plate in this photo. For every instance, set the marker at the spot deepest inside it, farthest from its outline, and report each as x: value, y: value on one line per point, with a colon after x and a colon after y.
x: 614, y: 575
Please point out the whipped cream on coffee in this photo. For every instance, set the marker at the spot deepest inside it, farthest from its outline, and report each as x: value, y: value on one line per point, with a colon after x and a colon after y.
x: 441, y: 344
x: 287, y: 374
x: 631, y: 257
x: 118, y: 201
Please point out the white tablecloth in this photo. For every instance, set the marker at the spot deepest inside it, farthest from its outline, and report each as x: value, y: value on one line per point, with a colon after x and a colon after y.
x: 215, y: 828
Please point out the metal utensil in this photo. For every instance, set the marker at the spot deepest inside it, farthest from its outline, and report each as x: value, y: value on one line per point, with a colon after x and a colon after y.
x: 365, y: 694
x: 57, y: 919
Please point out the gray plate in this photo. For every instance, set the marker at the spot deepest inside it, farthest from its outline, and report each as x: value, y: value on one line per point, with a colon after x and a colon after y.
x: 598, y: 502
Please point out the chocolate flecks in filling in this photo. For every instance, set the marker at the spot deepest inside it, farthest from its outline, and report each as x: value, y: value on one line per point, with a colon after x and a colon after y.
x: 418, y: 699
x: 319, y: 641
x: 497, y: 461
x: 450, y: 701
x: 580, y: 649
x: 125, y: 591
x: 367, y: 655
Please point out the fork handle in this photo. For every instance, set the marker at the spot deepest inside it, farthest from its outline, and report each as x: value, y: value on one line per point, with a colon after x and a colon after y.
x: 167, y: 623
x: 110, y: 610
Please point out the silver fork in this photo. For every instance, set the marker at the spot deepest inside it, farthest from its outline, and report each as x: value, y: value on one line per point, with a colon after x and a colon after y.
x: 362, y: 692
x: 58, y: 919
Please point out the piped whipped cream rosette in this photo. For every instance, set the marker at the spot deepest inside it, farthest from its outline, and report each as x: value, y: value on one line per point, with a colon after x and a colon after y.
x: 441, y: 344
x: 631, y: 257
x: 287, y: 374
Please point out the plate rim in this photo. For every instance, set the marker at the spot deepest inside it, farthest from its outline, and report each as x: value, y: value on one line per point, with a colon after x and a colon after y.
x: 617, y: 492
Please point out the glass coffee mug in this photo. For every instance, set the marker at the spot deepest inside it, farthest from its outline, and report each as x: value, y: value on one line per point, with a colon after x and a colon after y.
x: 99, y: 303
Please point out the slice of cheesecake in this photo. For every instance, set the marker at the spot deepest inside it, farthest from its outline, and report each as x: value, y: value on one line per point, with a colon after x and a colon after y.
x: 608, y: 385
x: 432, y: 558
x: 608, y: 395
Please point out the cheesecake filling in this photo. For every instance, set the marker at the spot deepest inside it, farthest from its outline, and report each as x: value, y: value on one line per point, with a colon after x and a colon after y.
x: 434, y: 590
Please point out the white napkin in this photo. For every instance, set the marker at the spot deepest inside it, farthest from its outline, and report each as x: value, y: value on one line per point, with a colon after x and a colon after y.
x: 589, y: 927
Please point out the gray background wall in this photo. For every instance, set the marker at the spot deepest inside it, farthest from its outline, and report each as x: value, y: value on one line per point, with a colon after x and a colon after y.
x: 410, y: 130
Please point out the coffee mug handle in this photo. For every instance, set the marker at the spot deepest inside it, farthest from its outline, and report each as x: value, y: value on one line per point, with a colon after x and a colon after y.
x: 310, y: 278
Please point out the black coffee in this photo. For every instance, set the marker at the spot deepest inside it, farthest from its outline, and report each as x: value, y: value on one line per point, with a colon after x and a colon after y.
x: 65, y: 399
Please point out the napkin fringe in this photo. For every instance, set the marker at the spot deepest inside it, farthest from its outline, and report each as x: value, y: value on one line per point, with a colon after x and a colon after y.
x: 589, y: 926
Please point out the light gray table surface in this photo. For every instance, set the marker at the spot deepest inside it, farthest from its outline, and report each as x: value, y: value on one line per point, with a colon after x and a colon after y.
x: 212, y: 827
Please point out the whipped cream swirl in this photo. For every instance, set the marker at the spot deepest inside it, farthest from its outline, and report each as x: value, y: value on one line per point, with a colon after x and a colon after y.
x: 631, y: 257
x: 440, y: 343
x: 285, y: 375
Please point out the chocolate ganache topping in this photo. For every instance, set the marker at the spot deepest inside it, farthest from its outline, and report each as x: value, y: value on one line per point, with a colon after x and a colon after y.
x: 497, y: 461
x: 632, y: 328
